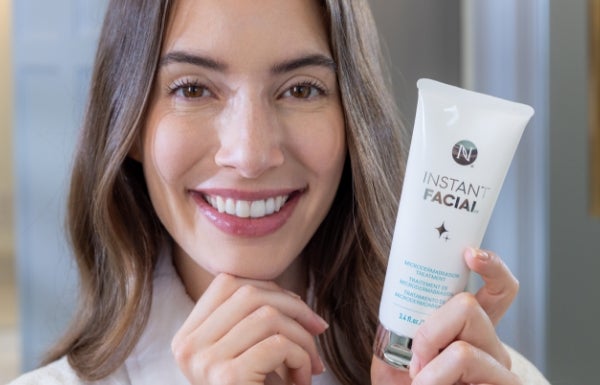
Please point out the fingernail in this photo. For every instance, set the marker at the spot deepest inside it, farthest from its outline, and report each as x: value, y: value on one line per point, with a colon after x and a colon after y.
x: 483, y: 255
x: 293, y: 294
x: 470, y: 253
x: 476, y: 253
x: 322, y: 322
x: 321, y: 369
x: 322, y: 366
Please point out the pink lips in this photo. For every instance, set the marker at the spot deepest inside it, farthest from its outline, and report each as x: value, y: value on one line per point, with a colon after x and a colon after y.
x: 246, y: 227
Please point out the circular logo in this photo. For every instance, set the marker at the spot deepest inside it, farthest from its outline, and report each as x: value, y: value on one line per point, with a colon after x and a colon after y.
x: 464, y: 152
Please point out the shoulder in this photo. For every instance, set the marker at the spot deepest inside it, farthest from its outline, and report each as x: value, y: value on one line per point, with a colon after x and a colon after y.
x: 58, y: 372
x: 526, y: 371
x: 61, y: 373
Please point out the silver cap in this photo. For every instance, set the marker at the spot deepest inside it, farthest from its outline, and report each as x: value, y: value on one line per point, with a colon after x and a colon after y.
x: 393, y: 349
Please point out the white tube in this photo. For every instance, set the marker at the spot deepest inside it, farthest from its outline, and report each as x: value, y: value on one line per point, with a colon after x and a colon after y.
x: 462, y: 145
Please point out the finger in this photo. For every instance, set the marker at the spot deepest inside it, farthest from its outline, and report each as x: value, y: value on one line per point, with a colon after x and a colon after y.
x: 228, y: 296
x: 247, y: 299
x: 222, y: 287
x: 500, y: 285
x: 267, y: 321
x: 461, y: 318
x: 464, y: 363
x: 384, y: 374
x: 232, y: 328
x: 271, y: 359
x: 270, y: 354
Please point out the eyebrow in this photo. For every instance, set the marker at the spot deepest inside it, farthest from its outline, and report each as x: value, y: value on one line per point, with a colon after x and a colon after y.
x: 318, y: 60
x: 304, y: 61
x: 188, y: 58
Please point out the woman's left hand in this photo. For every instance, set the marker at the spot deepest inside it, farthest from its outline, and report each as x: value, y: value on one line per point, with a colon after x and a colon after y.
x: 458, y: 343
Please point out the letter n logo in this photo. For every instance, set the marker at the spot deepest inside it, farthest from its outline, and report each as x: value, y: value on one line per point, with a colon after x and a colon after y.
x: 464, y: 152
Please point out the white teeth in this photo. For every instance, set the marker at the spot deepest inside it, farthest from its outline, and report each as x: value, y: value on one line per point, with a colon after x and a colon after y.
x: 246, y: 209
x: 258, y: 209
x: 220, y: 204
x: 270, y: 206
x: 230, y: 206
x: 242, y: 209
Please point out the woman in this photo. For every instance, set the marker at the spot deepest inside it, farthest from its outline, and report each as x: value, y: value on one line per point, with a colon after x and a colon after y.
x: 233, y: 197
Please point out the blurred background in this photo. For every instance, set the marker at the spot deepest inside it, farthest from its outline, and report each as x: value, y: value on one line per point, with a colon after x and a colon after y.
x: 531, y: 51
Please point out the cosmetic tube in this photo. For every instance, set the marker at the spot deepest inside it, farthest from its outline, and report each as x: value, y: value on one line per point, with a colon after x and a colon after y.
x: 462, y: 145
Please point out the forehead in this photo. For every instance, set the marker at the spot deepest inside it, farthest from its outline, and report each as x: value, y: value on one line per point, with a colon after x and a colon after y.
x: 247, y: 28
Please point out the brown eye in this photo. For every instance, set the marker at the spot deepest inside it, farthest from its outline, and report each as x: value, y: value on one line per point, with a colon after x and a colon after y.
x: 304, y: 91
x: 301, y: 92
x: 192, y: 91
x: 189, y: 89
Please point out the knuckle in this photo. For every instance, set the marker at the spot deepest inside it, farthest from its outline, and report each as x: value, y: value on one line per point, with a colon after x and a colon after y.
x: 223, y: 280
x: 512, y: 281
x: 206, y: 369
x: 510, y: 287
x: 184, y: 356
x: 492, y: 255
x: 266, y: 312
x: 461, y: 352
x: 223, y: 374
x: 181, y: 351
x: 194, y: 363
x: 247, y: 293
x: 468, y: 303
x: 423, y: 338
x: 278, y: 341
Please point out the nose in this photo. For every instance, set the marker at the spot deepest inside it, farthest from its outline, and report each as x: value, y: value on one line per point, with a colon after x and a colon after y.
x: 250, y: 138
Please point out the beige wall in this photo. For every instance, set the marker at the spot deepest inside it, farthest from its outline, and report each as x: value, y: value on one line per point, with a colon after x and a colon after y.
x: 6, y: 179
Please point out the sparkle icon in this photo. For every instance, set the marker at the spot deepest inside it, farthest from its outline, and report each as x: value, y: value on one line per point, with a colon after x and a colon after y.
x: 442, y: 230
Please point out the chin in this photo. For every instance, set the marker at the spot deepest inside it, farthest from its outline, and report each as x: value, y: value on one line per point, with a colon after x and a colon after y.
x: 254, y: 262
x: 259, y: 273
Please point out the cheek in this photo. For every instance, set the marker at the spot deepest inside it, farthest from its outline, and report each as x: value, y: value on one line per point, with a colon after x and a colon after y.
x: 173, y: 146
x: 325, y: 148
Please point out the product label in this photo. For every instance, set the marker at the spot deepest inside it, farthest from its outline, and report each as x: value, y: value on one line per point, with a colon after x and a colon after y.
x: 425, y: 287
x: 453, y: 192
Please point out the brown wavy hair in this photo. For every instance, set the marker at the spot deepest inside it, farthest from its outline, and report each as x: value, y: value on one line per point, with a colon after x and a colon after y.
x: 116, y: 235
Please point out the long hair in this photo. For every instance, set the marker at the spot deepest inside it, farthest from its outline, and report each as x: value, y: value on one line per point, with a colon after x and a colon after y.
x: 112, y: 227
x: 116, y: 235
x: 350, y: 249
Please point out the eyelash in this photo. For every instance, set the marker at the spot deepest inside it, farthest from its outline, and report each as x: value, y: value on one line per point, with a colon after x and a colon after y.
x: 313, y: 85
x: 181, y: 85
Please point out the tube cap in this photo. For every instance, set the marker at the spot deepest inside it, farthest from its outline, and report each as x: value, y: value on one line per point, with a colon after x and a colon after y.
x: 393, y: 349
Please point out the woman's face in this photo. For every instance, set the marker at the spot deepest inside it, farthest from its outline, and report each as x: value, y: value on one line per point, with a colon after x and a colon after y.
x: 243, y: 145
